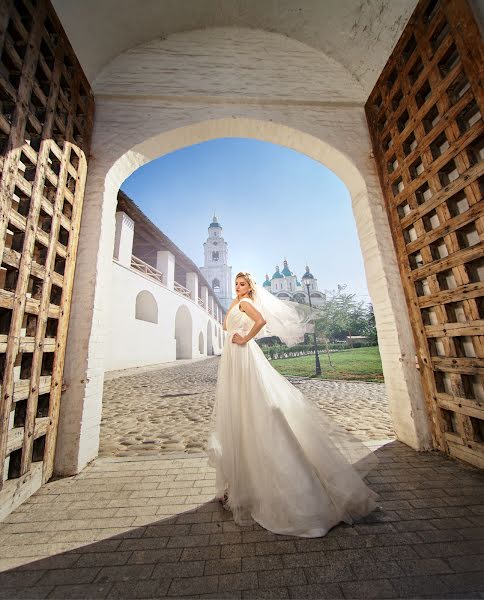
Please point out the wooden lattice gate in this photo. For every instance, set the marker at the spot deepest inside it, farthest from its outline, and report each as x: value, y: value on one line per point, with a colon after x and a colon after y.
x: 45, y: 126
x: 425, y: 120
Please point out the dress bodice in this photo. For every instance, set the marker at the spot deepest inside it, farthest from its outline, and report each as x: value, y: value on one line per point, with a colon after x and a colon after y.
x: 237, y: 320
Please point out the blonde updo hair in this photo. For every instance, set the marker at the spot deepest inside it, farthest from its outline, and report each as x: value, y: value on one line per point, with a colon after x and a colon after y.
x: 250, y: 280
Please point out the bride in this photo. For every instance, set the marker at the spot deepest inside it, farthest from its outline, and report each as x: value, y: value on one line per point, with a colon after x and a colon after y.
x: 279, y: 461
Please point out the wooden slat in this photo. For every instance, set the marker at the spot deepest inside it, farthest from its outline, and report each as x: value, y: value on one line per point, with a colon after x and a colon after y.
x: 455, y: 329
x: 22, y: 387
x: 467, y: 366
x: 16, y: 435
x: 467, y: 291
x: 472, y: 408
x: 455, y: 259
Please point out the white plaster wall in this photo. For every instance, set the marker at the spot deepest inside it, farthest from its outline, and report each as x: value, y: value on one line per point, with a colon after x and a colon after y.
x: 133, y: 127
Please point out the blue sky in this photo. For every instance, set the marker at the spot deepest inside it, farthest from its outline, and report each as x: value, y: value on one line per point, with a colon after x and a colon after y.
x: 273, y: 203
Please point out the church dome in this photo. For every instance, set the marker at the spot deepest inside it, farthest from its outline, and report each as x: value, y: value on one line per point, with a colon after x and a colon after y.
x: 285, y: 271
x: 277, y: 274
x: 267, y: 283
x: 215, y: 223
x: 307, y: 274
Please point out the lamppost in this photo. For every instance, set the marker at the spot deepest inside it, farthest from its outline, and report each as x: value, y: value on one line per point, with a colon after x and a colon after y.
x: 307, y: 282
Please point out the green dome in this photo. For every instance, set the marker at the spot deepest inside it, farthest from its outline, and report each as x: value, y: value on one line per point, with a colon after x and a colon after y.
x: 277, y: 274
x: 285, y: 271
x: 215, y: 223
x: 307, y: 274
x: 266, y: 283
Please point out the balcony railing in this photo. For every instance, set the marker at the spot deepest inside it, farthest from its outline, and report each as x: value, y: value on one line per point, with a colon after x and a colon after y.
x: 139, y: 265
x: 181, y: 290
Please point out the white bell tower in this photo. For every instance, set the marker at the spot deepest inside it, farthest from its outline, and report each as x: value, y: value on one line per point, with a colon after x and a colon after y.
x: 216, y: 270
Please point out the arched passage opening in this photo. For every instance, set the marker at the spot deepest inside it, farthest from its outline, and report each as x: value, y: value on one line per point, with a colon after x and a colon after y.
x: 201, y: 343
x: 147, y: 128
x: 183, y: 333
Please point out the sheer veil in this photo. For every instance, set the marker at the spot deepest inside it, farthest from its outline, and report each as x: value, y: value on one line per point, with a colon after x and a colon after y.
x: 289, y: 321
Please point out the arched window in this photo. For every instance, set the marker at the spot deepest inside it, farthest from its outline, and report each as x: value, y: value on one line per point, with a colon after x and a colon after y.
x: 215, y: 256
x: 216, y: 285
x: 201, y: 344
x: 146, y: 307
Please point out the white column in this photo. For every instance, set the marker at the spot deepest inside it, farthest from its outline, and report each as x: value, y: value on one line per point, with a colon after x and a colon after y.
x: 123, y: 239
x: 192, y: 285
x: 165, y: 262
x: 204, y: 295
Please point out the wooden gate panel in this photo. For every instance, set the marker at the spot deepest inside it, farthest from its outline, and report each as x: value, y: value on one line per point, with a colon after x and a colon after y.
x: 45, y: 126
x: 425, y: 120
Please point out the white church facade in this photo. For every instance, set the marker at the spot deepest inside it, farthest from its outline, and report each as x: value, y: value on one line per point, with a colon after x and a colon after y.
x: 285, y: 285
x: 215, y: 268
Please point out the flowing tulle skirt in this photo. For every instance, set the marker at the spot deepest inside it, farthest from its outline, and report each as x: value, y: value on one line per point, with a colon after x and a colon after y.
x: 281, y: 462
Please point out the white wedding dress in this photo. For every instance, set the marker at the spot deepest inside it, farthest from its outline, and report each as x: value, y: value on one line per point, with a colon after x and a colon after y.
x: 280, y: 461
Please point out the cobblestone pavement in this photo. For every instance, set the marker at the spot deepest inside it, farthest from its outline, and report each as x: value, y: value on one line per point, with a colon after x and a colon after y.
x: 168, y: 409
x: 148, y: 527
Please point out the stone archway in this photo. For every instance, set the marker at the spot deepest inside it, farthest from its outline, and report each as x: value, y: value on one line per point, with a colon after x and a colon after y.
x: 183, y: 333
x: 134, y: 127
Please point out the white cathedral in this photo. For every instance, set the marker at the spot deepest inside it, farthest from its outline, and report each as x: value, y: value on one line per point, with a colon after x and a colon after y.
x: 283, y: 284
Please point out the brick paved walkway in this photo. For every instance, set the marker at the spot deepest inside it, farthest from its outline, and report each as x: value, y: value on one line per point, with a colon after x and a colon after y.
x: 147, y: 527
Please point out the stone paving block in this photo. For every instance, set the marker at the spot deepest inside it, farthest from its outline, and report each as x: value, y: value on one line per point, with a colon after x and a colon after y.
x: 225, y: 538
x: 194, y: 517
x: 375, y: 528
x: 182, y: 541
x: 450, y: 522
x: 238, y: 550
x: 392, y: 552
x: 418, y: 586
x: 381, y: 588
x: 279, y: 593
x: 238, y: 581
x: 167, y: 528
x: 69, y: 576
x: 314, y: 544
x: 283, y: 547
x: 440, y: 535
x: 178, y: 569
x: 330, y: 573
x: 377, y: 541
x: 472, y: 533
x: 87, y: 590
x: 223, y: 566
x: 369, y: 569
x: 281, y: 578
x: 210, y: 528
x: 445, y: 549
x: 463, y: 582
x: 155, y: 555
x: 467, y: 563
x: 101, y: 559
x: 424, y: 566
x: 330, y: 591
x: 230, y: 595
x: 419, y: 525
x: 20, y: 578
x: 124, y: 573
x: 139, y: 589
x: 262, y: 563
x: 193, y: 585
x: 201, y: 553
x: 305, y: 559
x: 36, y: 593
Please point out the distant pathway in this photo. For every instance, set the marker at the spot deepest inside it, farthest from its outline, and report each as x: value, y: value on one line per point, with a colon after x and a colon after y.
x: 167, y: 409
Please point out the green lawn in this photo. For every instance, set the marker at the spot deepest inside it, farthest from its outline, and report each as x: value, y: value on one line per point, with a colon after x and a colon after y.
x: 360, y: 364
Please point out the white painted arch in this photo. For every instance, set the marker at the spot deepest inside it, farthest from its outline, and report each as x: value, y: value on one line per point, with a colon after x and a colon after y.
x: 133, y: 129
